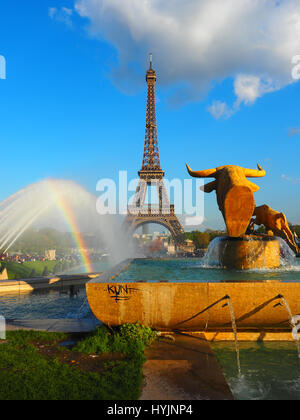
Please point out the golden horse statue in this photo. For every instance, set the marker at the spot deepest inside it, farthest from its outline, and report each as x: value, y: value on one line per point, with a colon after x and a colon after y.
x: 235, y: 194
x: 275, y: 222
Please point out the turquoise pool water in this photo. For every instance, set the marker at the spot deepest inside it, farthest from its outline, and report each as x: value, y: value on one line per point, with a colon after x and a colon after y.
x: 269, y: 371
x: 197, y: 270
x: 43, y: 304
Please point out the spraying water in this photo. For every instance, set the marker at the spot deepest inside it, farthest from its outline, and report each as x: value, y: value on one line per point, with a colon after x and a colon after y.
x: 212, y: 256
x: 215, y: 251
x: 292, y: 321
x: 64, y: 205
x: 234, y: 328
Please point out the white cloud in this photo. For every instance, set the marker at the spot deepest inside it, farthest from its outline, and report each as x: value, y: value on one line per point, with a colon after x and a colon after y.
x: 52, y: 12
x: 219, y: 110
x: 199, y: 43
x: 62, y: 15
x: 249, y: 88
x: 294, y: 131
x: 289, y: 179
x: 194, y: 220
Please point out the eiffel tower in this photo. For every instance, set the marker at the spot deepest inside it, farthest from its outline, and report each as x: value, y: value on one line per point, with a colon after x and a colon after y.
x: 151, y: 174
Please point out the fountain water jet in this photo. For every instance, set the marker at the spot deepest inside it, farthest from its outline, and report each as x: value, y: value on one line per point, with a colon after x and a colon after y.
x: 292, y: 322
x: 234, y: 328
x: 63, y: 205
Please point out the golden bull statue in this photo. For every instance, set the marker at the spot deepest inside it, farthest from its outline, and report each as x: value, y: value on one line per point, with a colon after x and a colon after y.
x: 235, y: 194
x: 275, y: 222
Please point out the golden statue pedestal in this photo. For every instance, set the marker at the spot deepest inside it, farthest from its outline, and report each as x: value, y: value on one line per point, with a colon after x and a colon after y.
x: 249, y: 252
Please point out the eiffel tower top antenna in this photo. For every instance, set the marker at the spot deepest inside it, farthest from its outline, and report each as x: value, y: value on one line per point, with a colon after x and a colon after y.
x: 151, y: 167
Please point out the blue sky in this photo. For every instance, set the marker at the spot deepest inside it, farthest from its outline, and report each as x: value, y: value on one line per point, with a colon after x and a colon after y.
x: 73, y: 103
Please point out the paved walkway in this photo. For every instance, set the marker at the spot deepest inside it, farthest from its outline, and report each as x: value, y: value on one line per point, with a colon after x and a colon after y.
x: 184, y: 369
x: 53, y: 325
x: 37, y: 283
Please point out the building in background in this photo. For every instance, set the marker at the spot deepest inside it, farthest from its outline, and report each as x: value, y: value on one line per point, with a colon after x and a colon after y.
x: 50, y: 254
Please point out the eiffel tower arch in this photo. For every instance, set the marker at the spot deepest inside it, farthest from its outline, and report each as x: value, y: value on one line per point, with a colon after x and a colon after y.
x: 152, y: 175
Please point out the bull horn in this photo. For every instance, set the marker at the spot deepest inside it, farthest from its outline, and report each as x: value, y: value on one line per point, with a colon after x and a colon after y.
x: 254, y: 173
x: 207, y: 173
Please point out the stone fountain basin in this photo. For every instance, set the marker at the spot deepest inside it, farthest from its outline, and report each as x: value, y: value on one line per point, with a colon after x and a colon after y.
x: 250, y: 252
x: 193, y: 307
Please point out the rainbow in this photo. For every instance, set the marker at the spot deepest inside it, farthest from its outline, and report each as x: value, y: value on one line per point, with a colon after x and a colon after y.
x: 71, y: 222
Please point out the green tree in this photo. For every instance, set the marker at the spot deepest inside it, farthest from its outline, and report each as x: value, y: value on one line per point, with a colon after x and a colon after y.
x: 201, y: 240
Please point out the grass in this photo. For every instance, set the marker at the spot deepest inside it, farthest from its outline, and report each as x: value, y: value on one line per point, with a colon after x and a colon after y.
x: 28, y: 269
x: 34, y: 367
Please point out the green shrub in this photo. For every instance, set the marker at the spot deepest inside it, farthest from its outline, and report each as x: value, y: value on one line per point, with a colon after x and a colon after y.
x: 129, y: 339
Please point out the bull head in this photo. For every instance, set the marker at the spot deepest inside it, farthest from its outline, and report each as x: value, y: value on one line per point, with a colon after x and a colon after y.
x: 234, y: 194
